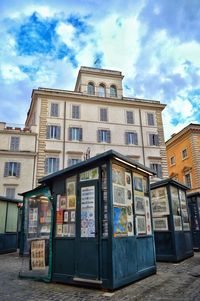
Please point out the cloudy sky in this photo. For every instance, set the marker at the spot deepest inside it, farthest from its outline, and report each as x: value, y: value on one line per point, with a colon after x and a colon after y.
x: 155, y: 43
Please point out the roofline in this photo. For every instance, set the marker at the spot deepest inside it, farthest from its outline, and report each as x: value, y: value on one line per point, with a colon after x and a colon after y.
x: 33, y: 190
x: 186, y: 129
x: 168, y: 181
x: 107, y: 154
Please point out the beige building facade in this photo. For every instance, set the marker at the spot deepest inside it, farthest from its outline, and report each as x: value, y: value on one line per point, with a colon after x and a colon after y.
x: 95, y: 117
x: 17, y: 160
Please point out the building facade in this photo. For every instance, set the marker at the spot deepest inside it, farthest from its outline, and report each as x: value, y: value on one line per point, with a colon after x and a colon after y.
x: 95, y: 117
x: 183, y: 156
x: 17, y: 160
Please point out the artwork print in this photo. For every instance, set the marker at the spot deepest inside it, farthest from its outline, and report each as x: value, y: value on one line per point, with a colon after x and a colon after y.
x: 119, y: 195
x: 120, y: 221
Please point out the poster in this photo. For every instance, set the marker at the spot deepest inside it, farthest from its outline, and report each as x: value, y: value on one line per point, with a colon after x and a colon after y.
x: 138, y: 184
x: 119, y: 195
x: 140, y: 205
x: 71, y: 202
x: 160, y: 224
x: 33, y: 220
x: 140, y: 225
x: 118, y: 175
x: 88, y: 211
x: 120, y: 221
x: 91, y: 174
x: 38, y: 255
x: 160, y: 204
x: 59, y: 217
x: 63, y: 202
x: 177, y: 223
x: 148, y: 216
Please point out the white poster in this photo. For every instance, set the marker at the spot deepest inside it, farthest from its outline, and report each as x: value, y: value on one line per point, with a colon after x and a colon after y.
x: 88, y: 211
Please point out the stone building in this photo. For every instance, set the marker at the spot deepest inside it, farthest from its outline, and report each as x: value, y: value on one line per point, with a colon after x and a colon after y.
x: 17, y: 160
x: 95, y: 117
x: 183, y: 156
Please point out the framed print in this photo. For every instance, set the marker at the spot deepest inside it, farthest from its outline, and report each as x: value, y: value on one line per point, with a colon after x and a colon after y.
x: 138, y: 184
x: 119, y: 195
x: 65, y: 216
x: 140, y: 225
x: 118, y: 175
x: 63, y: 202
x: 91, y: 174
x: 59, y: 230
x: 160, y: 224
x: 120, y: 221
x: 65, y: 230
x: 128, y: 178
x: 72, y: 216
x: 59, y: 217
x: 71, y: 204
x: 159, y: 200
x: 177, y: 223
x: 71, y: 188
x: 148, y: 216
x: 38, y: 255
x: 139, y: 205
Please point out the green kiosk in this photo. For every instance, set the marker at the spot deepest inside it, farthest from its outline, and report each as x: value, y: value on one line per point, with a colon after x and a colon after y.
x: 102, y: 227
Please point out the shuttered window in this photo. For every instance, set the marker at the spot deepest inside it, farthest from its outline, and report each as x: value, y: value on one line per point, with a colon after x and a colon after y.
x: 53, y: 132
x: 75, y: 112
x: 157, y: 168
x: 51, y: 165
x: 104, y: 136
x: 153, y: 139
x: 131, y: 138
x: 150, y: 119
x: 75, y: 134
x: 103, y: 114
x: 12, y: 169
x: 10, y: 192
x: 129, y: 117
x: 54, y: 110
x: 14, y: 143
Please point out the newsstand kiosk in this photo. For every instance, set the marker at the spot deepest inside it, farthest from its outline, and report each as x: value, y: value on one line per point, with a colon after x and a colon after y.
x: 102, y: 230
x: 171, y: 225
x: 194, y: 210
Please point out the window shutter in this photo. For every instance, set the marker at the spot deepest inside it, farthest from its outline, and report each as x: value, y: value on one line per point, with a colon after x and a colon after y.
x: 58, y: 132
x: 80, y: 134
x: 159, y: 170
x: 69, y: 162
x: 48, y: 131
x: 99, y: 135
x: 156, y: 139
x: 135, y: 139
x: 46, y: 165
x: 57, y: 164
x: 108, y: 137
x: 52, y: 109
x: 70, y: 134
x: 6, y: 169
x: 126, y: 137
x: 18, y: 169
x: 151, y: 139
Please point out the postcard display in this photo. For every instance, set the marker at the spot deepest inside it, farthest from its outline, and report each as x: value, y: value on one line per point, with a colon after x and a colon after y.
x: 194, y: 211
x: 131, y: 210
x: 171, y: 223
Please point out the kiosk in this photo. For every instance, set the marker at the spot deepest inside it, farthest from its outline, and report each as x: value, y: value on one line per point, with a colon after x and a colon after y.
x: 194, y: 210
x: 172, y: 232
x: 36, y: 234
x: 9, y: 213
x: 102, y: 228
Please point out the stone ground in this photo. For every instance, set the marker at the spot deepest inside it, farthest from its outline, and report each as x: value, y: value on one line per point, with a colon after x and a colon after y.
x: 173, y: 282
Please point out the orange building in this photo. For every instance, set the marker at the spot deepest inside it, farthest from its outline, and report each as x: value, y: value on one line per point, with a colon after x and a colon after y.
x: 183, y: 156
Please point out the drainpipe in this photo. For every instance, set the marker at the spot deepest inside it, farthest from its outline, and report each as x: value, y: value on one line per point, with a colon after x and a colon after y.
x: 64, y: 131
x: 141, y: 129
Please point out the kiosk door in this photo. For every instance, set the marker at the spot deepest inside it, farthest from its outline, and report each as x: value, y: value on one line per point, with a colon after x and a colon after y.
x: 87, y: 240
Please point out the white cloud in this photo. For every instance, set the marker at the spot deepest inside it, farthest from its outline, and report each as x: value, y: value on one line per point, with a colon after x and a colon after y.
x: 66, y: 33
x: 12, y: 73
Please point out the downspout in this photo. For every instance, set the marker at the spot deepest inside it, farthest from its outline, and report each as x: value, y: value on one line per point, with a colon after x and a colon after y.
x: 34, y: 164
x: 141, y: 129
x: 64, y: 131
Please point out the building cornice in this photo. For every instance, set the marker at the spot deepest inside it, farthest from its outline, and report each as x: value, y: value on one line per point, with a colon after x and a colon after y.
x: 190, y: 129
x: 18, y: 153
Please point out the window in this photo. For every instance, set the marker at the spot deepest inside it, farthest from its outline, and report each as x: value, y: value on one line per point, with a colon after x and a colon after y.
x: 73, y: 161
x: 113, y: 91
x: 75, y: 112
x: 90, y: 89
x: 103, y: 114
x: 104, y: 136
x: 102, y: 90
x: 54, y: 110
x: 53, y: 132
x: 153, y: 139
x: 184, y: 153
x: 157, y: 168
x: 172, y: 160
x: 51, y: 165
x: 10, y: 192
x: 12, y: 169
x: 14, y: 143
x: 75, y: 134
x: 188, y: 181
x: 150, y: 119
x: 129, y: 117
x: 131, y: 138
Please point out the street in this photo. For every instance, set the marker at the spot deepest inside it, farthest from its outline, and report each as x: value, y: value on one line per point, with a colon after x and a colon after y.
x: 177, y: 282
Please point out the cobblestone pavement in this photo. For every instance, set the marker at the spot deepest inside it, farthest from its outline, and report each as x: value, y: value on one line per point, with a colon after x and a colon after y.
x: 173, y: 282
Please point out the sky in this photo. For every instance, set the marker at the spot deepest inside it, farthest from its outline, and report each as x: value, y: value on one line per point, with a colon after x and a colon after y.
x: 154, y: 43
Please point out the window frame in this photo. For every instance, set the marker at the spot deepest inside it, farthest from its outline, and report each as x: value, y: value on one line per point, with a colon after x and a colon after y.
x: 90, y: 88
x: 182, y: 152
x: 10, y: 195
x: 154, y: 140
x: 131, y: 138
x: 75, y: 111
x: 103, y: 112
x: 102, y: 90
x: 12, y: 169
x: 150, y: 118
x: 54, y: 111
x: 128, y: 117
x: 114, y: 89
x: 75, y: 133
x: 53, y: 131
x: 190, y: 180
x: 104, y: 136
x: 171, y: 159
x: 51, y: 164
x: 159, y: 173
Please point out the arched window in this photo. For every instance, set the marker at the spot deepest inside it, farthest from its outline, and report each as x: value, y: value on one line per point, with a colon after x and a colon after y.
x: 113, y: 91
x: 102, y: 90
x: 90, y: 88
